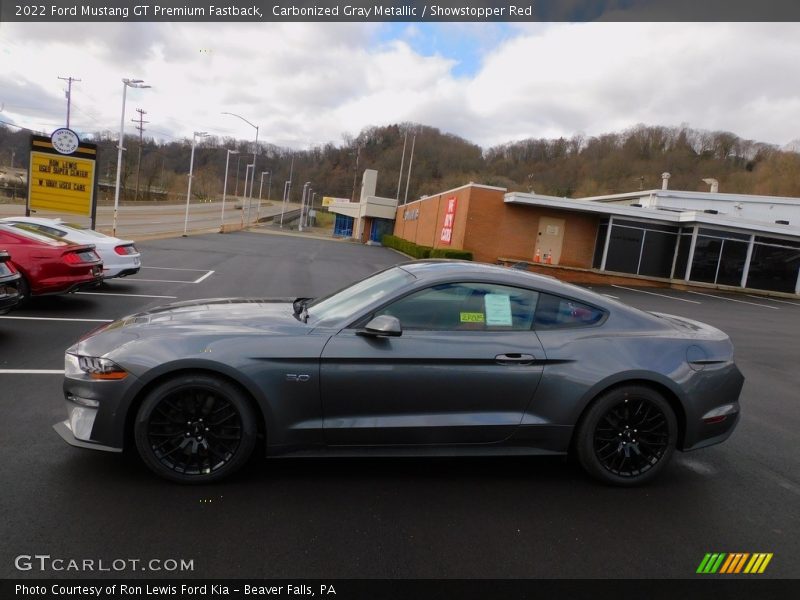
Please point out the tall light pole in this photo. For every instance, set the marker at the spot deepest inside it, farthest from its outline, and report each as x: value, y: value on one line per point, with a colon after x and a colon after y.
x: 287, y: 186
x: 225, y: 187
x: 255, y: 149
x: 246, y: 171
x: 260, y: 187
x: 303, y: 203
x: 196, y: 135
x: 126, y: 83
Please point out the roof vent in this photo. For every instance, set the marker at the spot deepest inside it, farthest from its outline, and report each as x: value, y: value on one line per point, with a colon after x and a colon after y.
x: 782, y: 222
x: 711, y: 211
x: 665, y: 180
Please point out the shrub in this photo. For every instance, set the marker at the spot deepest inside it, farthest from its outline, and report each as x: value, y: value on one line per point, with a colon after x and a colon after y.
x: 410, y: 248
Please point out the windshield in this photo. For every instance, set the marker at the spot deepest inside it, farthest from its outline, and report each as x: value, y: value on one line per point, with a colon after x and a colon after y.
x: 351, y: 300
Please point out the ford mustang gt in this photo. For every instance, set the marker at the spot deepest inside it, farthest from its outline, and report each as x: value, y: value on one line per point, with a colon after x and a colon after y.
x: 426, y: 357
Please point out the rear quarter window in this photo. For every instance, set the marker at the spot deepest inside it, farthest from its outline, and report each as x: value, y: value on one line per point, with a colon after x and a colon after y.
x: 556, y: 312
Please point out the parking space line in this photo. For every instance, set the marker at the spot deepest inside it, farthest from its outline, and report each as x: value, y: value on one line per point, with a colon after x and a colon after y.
x: 58, y: 319
x: 175, y: 269
x: 654, y: 294
x: 773, y: 300
x: 115, y: 294
x: 206, y: 276
x: 160, y: 280
x: 31, y: 371
x: 734, y: 300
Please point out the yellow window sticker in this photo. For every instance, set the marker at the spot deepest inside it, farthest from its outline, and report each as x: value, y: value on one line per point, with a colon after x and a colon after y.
x: 472, y: 317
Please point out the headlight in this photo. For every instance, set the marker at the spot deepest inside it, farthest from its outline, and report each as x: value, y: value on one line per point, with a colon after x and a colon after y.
x: 79, y: 367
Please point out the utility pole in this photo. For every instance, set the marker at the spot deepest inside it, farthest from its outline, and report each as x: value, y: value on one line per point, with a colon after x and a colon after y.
x: 355, y: 174
x: 69, y: 81
x: 140, y: 127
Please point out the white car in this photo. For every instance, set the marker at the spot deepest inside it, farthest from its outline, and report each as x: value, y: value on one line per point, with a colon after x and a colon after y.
x: 120, y: 257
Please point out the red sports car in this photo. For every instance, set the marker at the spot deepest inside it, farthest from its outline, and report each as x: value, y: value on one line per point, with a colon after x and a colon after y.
x: 50, y: 265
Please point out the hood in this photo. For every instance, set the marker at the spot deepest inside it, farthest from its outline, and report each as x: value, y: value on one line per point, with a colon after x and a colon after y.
x: 214, y: 317
x: 219, y: 313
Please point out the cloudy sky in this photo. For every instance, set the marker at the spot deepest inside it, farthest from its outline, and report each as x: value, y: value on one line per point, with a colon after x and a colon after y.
x: 310, y: 83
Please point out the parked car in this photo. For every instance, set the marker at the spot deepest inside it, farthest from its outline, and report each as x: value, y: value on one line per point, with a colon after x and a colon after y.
x: 49, y: 265
x: 120, y: 257
x: 424, y: 358
x: 9, y: 280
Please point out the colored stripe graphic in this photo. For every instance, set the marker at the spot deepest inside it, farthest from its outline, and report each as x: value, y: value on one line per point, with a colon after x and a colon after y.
x: 733, y: 563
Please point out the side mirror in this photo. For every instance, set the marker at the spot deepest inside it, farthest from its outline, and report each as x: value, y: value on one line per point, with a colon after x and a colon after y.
x: 382, y: 326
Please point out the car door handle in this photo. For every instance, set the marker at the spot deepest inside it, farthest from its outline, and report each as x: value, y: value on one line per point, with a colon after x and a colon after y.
x: 514, y: 358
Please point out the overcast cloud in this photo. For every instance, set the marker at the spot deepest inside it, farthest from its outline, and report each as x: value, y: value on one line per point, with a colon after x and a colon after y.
x: 311, y: 83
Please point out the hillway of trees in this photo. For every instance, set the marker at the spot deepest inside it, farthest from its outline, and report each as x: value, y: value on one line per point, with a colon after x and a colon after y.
x: 576, y: 167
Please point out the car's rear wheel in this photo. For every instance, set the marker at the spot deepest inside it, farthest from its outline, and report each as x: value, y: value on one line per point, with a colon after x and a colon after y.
x: 195, y: 428
x: 23, y: 289
x: 627, y: 436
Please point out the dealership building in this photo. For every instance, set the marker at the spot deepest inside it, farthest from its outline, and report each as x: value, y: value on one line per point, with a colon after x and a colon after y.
x: 657, y: 237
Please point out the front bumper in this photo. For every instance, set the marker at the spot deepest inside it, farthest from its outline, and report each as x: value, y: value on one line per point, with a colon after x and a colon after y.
x: 97, y: 412
x: 64, y: 429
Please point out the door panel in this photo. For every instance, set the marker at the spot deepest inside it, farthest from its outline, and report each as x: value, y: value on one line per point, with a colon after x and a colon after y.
x: 428, y: 387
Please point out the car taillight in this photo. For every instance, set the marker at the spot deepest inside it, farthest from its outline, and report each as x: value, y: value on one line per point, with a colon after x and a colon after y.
x: 125, y: 250
x: 82, y: 256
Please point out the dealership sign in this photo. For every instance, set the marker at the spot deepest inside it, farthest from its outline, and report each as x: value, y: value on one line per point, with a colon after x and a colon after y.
x: 62, y: 174
x: 449, y: 221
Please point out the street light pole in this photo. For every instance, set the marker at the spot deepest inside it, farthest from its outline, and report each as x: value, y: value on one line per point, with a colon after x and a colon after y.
x: 126, y: 83
x: 246, y: 171
x: 303, y: 204
x: 261, y: 187
x: 189, y: 187
x: 225, y: 188
x: 255, y: 150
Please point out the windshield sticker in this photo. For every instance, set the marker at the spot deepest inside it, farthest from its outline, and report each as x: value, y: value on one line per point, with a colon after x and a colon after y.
x: 472, y: 317
x: 498, y: 309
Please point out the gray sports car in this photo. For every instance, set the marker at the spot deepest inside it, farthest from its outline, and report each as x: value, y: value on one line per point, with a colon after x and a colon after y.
x: 427, y: 357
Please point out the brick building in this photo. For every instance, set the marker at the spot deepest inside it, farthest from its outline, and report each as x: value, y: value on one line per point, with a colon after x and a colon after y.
x: 654, y: 237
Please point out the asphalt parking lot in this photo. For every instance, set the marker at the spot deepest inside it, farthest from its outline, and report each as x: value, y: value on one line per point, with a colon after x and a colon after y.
x: 514, y: 517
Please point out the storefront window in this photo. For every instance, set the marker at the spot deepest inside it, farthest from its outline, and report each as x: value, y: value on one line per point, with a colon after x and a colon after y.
x: 706, y: 258
x: 774, y: 268
x: 637, y: 247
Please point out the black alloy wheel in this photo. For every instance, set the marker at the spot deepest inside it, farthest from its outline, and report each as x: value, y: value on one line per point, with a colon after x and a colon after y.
x: 195, y: 428
x: 628, y: 436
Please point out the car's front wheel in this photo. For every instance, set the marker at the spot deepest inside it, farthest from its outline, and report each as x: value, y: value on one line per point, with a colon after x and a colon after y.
x: 195, y: 428
x: 627, y: 436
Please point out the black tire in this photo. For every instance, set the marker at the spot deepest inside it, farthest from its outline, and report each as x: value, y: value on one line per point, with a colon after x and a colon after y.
x: 627, y: 436
x: 195, y: 428
x: 24, y: 290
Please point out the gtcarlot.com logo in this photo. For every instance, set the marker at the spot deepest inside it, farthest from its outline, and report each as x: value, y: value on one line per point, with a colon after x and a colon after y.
x: 734, y: 563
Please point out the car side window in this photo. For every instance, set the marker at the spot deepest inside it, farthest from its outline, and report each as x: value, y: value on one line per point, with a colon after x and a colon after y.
x: 465, y: 307
x: 556, y: 312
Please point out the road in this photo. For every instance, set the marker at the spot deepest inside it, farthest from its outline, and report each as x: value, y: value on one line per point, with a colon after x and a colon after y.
x: 157, y: 219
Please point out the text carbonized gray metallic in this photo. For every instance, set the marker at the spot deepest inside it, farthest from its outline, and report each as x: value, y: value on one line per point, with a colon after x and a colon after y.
x: 427, y: 357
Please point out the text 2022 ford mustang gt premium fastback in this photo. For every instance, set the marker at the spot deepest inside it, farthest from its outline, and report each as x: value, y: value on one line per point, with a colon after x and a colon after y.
x: 425, y: 357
